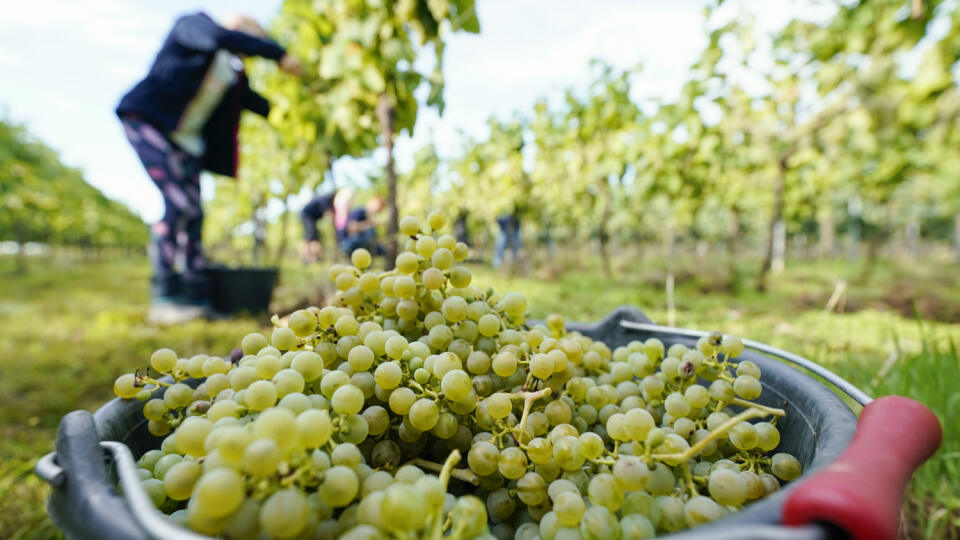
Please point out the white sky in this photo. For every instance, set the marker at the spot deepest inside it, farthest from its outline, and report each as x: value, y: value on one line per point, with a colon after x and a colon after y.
x: 65, y: 64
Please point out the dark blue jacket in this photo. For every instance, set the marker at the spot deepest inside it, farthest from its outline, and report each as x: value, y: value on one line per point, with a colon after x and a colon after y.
x: 161, y: 98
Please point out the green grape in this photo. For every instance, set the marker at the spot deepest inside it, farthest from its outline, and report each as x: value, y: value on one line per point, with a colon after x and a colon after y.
x: 636, y: 526
x: 155, y: 409
x: 407, y: 263
x: 616, y: 426
x: 637, y: 423
x: 672, y: 516
x: 541, y: 366
x: 483, y: 458
x: 727, y: 487
x: 722, y: 391
x: 409, y: 225
x: 164, y: 464
x: 488, y: 324
x: 126, y: 386
x: 512, y: 463
x: 770, y: 483
x: 731, y: 346
x: 437, y: 219
x: 500, y: 505
x: 155, y: 491
x: 149, y: 459
x: 426, y: 245
x: 401, y: 399
x: 549, y: 524
x: 313, y: 428
x: 540, y: 450
x: 456, y: 385
x: 268, y: 366
x: 567, y: 453
x: 631, y: 473
x: 442, y: 258
x: 433, y: 278
x: 643, y: 504
x: 747, y: 387
x: 661, y: 480
x: 591, y: 445
x: 252, y: 343
x: 785, y: 467
x: 295, y: 403
x: 697, y: 396
x: 527, y: 531
x: 744, y: 436
x: 261, y: 457
x: 180, y: 478
x: 677, y: 405
x: 478, y: 362
x: 499, y: 405
x: 347, y: 399
x: 652, y: 385
x: 361, y: 358
x: 531, y: 489
x: 339, y: 487
x: 454, y: 309
x: 514, y: 304
x: 460, y: 252
x: 395, y: 347
x: 285, y: 513
x: 424, y: 414
x: 446, y: 427
x: 288, y: 381
x: 191, y: 435
x: 403, y: 507
x: 747, y: 367
x: 604, y: 490
x: 284, y: 339
x: 219, y: 492
x: 699, y: 510
x: 245, y: 521
x: 163, y: 360
x: 755, y: 487
x: 569, y: 508
x: 309, y: 364
x: 768, y: 436
x: 505, y: 364
x: 598, y: 523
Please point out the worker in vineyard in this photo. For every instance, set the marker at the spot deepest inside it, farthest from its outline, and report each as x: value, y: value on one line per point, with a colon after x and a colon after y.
x: 509, y: 224
x: 183, y: 118
x: 359, y: 229
x: 320, y: 206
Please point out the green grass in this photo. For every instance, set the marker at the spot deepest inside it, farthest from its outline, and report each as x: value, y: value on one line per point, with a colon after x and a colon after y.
x: 69, y: 329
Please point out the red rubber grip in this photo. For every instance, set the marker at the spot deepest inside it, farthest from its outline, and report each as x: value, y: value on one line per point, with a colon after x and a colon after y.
x: 862, y: 491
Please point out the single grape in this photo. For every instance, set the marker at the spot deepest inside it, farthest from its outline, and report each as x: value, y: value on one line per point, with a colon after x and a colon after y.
x: 786, y: 467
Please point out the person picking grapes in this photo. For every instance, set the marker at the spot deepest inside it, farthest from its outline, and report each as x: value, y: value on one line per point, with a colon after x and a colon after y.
x: 359, y: 228
x: 182, y: 118
x: 317, y: 208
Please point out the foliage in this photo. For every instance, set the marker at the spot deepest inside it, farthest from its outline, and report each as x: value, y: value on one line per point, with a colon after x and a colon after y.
x: 43, y: 200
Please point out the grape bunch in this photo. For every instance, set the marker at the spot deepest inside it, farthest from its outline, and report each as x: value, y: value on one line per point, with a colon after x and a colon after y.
x: 417, y: 405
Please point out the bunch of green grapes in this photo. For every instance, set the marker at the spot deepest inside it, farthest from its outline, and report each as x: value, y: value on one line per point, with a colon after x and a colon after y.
x: 417, y: 405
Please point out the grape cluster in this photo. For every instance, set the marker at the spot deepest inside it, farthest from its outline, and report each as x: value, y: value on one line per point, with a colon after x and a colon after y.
x: 419, y: 406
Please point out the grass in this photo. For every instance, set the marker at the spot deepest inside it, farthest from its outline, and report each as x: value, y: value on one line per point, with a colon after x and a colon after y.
x: 70, y: 328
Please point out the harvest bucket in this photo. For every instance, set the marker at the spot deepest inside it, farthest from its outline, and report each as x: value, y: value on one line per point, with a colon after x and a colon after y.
x: 853, y: 482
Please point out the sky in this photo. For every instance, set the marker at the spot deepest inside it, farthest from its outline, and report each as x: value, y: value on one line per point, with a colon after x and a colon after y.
x: 66, y: 63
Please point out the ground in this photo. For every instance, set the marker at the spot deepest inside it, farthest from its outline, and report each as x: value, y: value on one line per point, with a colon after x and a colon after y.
x: 70, y: 327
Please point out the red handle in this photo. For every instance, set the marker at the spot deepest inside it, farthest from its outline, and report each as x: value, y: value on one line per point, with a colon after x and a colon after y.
x: 862, y: 492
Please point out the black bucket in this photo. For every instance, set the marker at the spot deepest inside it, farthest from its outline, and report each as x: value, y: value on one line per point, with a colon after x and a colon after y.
x: 234, y: 290
x: 84, y: 502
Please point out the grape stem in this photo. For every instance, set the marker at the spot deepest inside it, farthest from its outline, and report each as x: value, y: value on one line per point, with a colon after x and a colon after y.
x: 769, y: 410
x: 680, y: 457
x: 528, y: 399
x: 465, y: 475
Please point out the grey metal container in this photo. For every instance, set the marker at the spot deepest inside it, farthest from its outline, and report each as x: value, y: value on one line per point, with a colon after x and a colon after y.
x: 85, y: 503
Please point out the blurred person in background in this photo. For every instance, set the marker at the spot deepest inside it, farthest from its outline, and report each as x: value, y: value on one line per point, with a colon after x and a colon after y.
x: 182, y: 118
x: 320, y: 206
x: 359, y: 228
x: 509, y: 224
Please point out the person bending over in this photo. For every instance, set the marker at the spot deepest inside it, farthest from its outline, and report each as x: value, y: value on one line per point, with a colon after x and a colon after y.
x: 183, y: 118
x: 359, y: 229
x: 318, y: 207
